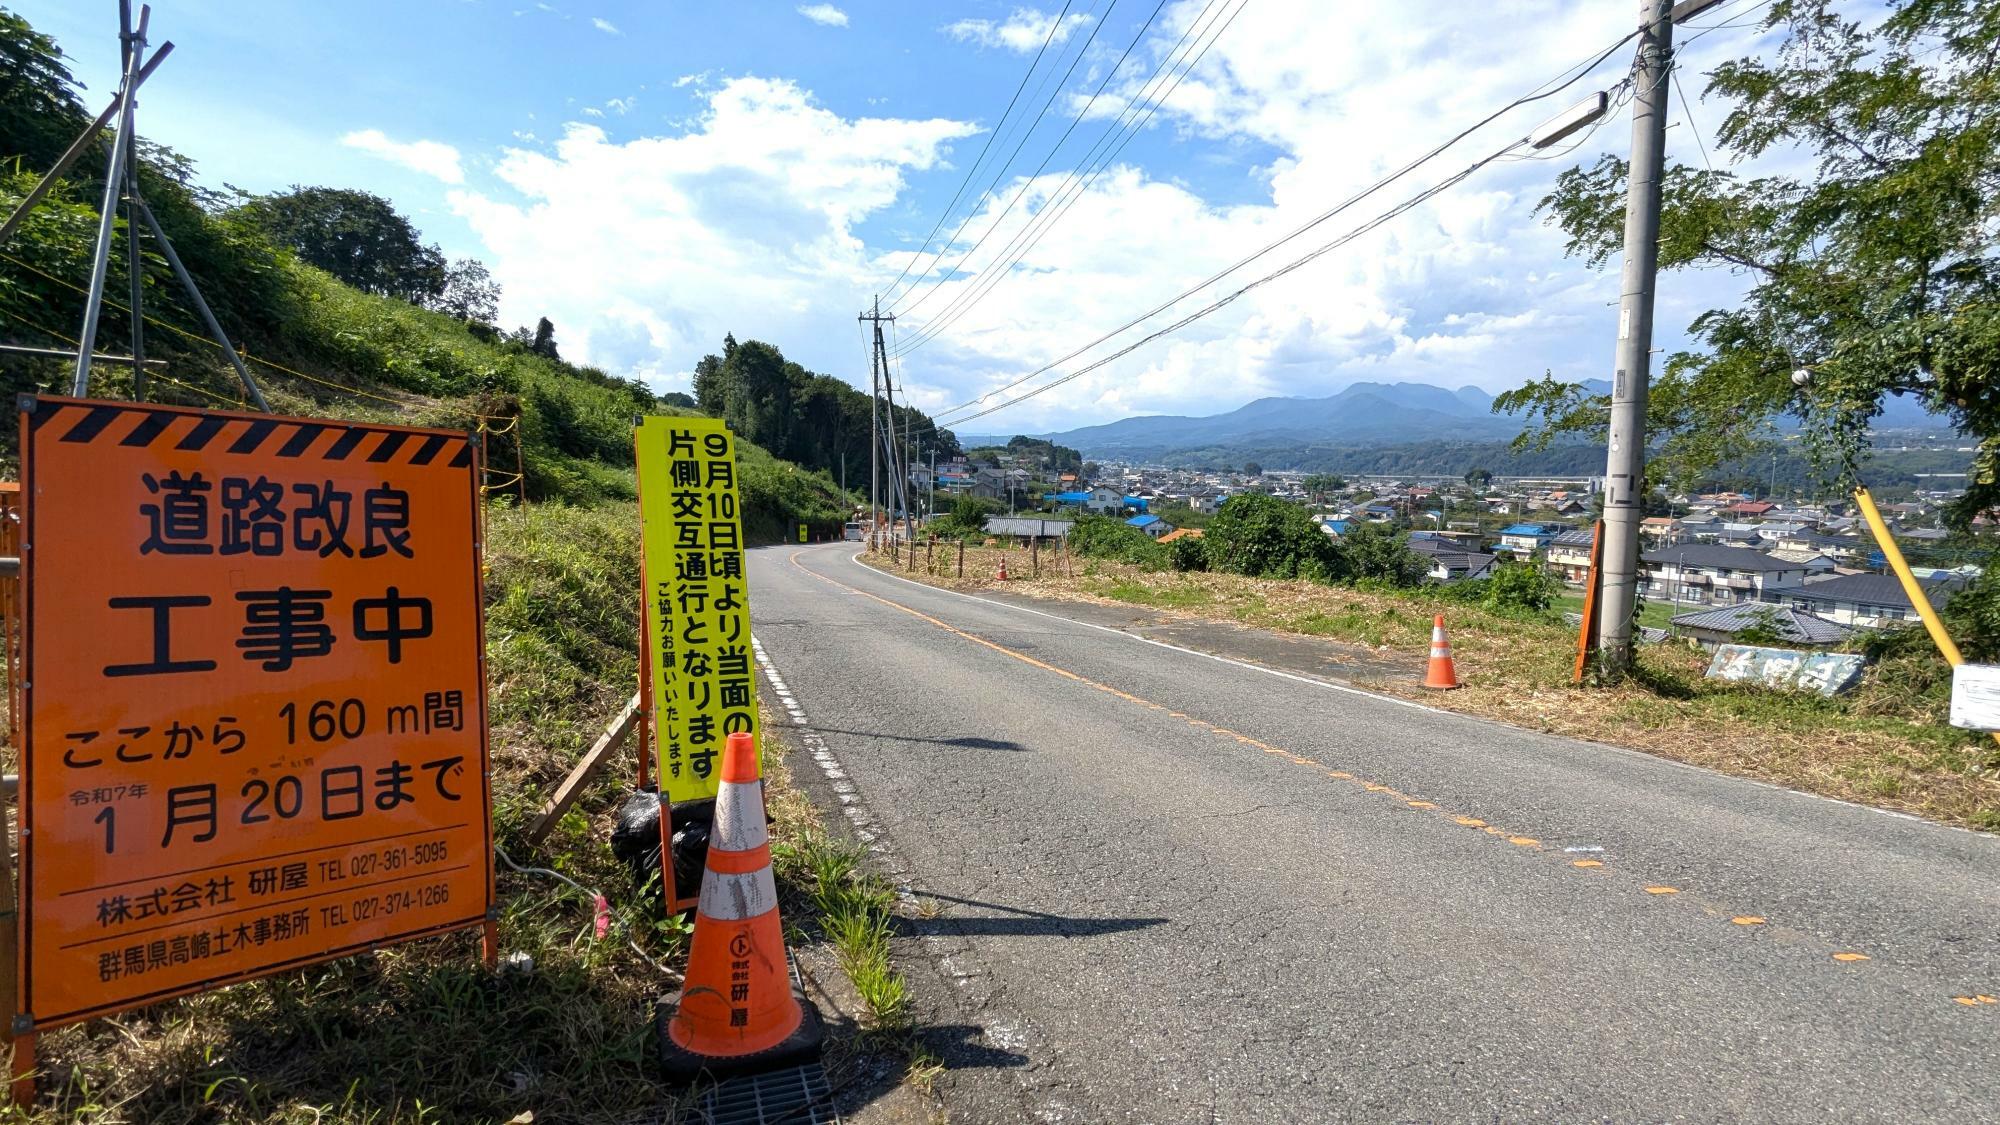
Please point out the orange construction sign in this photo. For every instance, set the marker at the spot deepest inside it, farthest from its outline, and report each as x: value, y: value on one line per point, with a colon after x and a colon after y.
x: 255, y: 698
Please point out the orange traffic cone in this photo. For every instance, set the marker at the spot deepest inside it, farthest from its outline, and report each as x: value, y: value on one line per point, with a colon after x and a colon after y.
x: 1003, y: 568
x: 737, y: 1009
x: 1443, y: 673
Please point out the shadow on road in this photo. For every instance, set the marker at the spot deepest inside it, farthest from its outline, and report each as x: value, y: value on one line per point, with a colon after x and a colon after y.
x: 1014, y: 922
x: 862, y: 1071
x: 968, y: 742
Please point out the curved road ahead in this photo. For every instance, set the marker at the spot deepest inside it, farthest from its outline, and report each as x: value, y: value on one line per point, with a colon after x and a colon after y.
x: 1173, y: 888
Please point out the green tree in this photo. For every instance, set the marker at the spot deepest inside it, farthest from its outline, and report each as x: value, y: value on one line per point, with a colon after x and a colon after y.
x: 1521, y: 586
x: 1874, y: 269
x: 760, y: 388
x: 469, y: 292
x: 1479, y: 478
x: 356, y: 236
x: 1320, y: 486
x: 1253, y: 469
x: 709, y: 392
x: 1108, y: 537
x: 39, y: 113
x: 1265, y: 537
x: 1373, y: 550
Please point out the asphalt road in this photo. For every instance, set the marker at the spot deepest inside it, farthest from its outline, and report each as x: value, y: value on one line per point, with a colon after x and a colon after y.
x: 1191, y: 890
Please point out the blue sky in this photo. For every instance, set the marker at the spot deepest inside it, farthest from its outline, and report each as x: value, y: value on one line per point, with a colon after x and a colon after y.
x: 652, y: 175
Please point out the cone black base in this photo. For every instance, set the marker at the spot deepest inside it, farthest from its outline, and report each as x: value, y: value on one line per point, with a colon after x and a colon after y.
x: 685, y: 1065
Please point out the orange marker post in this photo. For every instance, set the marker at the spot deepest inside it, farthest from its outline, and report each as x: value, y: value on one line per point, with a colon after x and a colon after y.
x: 1443, y: 674
x: 737, y: 1010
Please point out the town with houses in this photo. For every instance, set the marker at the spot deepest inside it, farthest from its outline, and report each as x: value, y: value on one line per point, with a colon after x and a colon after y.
x: 1715, y: 565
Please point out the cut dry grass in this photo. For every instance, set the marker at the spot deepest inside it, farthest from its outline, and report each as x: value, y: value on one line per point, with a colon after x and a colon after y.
x: 1884, y: 744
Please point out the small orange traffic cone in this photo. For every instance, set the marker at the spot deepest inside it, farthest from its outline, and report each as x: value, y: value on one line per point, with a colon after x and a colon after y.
x: 1003, y: 568
x: 737, y: 1009
x: 1443, y: 673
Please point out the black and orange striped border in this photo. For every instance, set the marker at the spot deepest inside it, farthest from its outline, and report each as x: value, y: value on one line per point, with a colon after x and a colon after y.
x: 193, y: 430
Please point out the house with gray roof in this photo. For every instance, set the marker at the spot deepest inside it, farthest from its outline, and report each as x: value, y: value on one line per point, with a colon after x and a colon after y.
x: 1712, y: 574
x: 1796, y: 628
x: 1865, y: 601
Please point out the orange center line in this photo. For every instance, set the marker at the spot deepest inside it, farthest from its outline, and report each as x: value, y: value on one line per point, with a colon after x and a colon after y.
x: 1525, y: 843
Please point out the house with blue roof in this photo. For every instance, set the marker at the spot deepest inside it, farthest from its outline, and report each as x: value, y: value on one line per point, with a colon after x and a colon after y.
x: 1151, y: 525
x: 1525, y: 539
x: 1105, y: 501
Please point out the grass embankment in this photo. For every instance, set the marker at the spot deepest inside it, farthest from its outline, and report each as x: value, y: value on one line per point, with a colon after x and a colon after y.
x: 421, y: 1032
x: 1653, y: 615
x: 1886, y: 743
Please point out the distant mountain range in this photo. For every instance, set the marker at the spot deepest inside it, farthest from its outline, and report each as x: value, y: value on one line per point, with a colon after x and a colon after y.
x: 1365, y: 415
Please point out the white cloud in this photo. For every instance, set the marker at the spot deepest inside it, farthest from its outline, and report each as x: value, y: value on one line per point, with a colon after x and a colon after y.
x: 646, y: 252
x: 620, y: 106
x: 752, y: 219
x: 605, y: 25
x: 1026, y: 30
x: 825, y: 14
x: 432, y: 158
x: 1306, y: 105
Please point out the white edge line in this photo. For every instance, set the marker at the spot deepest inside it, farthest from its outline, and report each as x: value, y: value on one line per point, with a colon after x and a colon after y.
x: 1344, y: 688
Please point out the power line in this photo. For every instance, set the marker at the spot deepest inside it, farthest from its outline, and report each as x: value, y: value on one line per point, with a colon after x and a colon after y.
x: 994, y: 132
x: 1688, y: 113
x: 1295, y: 264
x: 1095, y: 27
x: 1554, y: 86
x: 1109, y: 74
x: 1058, y: 205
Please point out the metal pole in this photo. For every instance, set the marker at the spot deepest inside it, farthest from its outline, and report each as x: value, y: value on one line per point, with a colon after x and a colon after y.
x: 100, y: 264
x: 201, y: 306
x: 1625, y: 461
x: 135, y: 266
x: 65, y: 353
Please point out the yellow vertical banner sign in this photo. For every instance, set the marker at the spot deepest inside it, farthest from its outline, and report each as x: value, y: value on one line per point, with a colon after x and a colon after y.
x: 697, y: 600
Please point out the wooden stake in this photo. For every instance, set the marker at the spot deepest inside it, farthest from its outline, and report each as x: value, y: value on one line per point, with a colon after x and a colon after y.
x: 1586, y: 637
x: 586, y: 770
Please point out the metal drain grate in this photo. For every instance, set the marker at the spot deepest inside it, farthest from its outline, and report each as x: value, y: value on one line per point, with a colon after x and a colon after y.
x: 797, y: 1095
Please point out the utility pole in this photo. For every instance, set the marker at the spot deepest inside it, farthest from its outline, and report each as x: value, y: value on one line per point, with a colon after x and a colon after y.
x: 882, y: 424
x: 876, y: 372
x: 1625, y: 462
